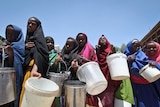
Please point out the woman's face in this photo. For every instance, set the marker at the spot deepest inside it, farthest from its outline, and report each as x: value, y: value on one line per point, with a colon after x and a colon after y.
x: 50, y: 44
x: 136, y: 46
x: 151, y: 48
x: 69, y: 45
x: 10, y: 34
x: 81, y: 39
x: 102, y: 41
x: 32, y: 25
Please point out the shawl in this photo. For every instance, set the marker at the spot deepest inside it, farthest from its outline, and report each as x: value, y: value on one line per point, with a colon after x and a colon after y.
x: 88, y: 51
x: 68, y: 57
x: 104, y: 51
x: 107, y: 96
x: 18, y: 48
x: 39, y: 52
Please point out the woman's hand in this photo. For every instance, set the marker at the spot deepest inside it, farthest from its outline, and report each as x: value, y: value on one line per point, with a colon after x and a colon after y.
x: 152, y: 63
x: 34, y: 72
x: 74, y: 64
x: 29, y: 44
x: 131, y: 58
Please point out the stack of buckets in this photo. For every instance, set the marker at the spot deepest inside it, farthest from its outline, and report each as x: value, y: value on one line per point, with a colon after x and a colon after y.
x: 119, y: 70
x: 39, y: 92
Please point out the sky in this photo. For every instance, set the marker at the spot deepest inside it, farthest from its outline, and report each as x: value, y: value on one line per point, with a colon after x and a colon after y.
x: 119, y: 20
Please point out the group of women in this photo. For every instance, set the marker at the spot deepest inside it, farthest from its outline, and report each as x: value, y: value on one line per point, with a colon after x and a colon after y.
x: 37, y: 54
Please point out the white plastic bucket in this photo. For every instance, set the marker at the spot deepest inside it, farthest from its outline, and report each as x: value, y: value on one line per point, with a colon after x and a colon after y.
x: 93, y: 76
x: 121, y: 103
x: 150, y: 73
x: 118, y: 66
x: 39, y: 92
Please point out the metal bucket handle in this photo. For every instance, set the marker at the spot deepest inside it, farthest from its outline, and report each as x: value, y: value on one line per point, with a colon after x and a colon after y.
x: 67, y: 69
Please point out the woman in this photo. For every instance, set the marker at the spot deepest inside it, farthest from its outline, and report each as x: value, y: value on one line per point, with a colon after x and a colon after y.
x: 15, y: 38
x: 54, y: 65
x: 70, y: 57
x: 69, y: 61
x: 103, y: 49
x: 87, y: 53
x: 153, y: 52
x: 54, y: 56
x: 36, y: 52
x: 145, y: 93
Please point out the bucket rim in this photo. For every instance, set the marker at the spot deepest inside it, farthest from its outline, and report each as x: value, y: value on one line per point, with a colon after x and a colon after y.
x: 75, y: 83
x: 7, y: 69
x: 33, y: 89
x: 115, y: 55
x: 94, y: 86
x: 144, y: 68
x: 91, y: 62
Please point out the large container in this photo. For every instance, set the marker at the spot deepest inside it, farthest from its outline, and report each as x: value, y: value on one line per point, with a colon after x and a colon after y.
x: 75, y: 93
x: 91, y: 74
x: 150, y: 73
x: 58, y: 78
x: 7, y: 85
x: 118, y: 66
x: 121, y: 103
x: 39, y: 92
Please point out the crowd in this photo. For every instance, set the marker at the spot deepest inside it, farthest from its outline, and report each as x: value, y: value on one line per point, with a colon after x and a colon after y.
x: 32, y: 56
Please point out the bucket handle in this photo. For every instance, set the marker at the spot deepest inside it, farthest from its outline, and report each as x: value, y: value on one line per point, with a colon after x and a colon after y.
x: 67, y: 69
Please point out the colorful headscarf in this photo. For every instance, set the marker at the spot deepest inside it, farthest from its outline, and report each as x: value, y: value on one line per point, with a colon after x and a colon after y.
x: 88, y: 50
x: 156, y: 56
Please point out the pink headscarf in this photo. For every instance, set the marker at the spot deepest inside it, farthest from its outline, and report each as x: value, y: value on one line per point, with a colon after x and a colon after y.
x: 156, y: 56
x: 88, y: 51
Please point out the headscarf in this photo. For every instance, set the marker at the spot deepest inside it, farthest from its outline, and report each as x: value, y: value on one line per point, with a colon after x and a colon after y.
x: 52, y: 56
x: 108, y: 93
x: 88, y: 50
x: 156, y: 56
x: 104, y: 51
x: 69, y: 57
x: 72, y: 55
x: 18, y: 46
x: 40, y: 51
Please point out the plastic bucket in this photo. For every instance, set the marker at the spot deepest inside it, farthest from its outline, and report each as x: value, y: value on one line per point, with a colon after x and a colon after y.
x: 121, y: 103
x: 150, y: 73
x: 39, y: 92
x: 118, y: 66
x: 7, y: 85
x: 58, y: 78
x: 91, y: 74
x: 75, y: 93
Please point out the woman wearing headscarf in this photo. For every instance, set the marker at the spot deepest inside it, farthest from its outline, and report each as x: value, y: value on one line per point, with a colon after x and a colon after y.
x: 54, y: 56
x: 87, y: 53
x: 103, y: 49
x: 54, y: 63
x: 36, y: 52
x: 69, y: 56
x: 153, y: 52
x: 145, y: 93
x: 14, y: 37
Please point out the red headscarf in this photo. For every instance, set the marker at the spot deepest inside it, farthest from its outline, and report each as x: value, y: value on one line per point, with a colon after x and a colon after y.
x: 104, y: 51
x: 107, y: 96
